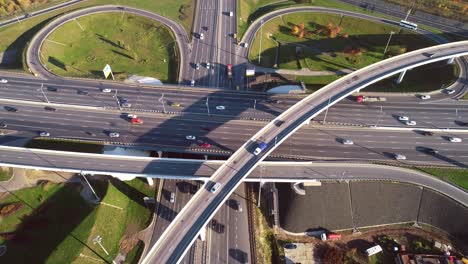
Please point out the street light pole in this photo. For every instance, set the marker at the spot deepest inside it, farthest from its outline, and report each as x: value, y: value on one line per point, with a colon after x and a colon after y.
x: 42, y: 91
x: 162, y: 101
x: 409, y: 10
x: 388, y: 42
x: 91, y: 187
x: 207, y: 105
x: 261, y: 37
x: 117, y: 100
x: 98, y: 240
x: 260, y: 187
x: 326, y: 111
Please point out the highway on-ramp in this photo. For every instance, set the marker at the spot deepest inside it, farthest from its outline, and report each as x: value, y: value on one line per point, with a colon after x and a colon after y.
x: 184, y: 229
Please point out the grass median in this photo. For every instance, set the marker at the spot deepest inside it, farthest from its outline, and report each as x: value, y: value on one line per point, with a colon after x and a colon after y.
x: 456, y: 176
x: 131, y: 44
x: 14, y: 38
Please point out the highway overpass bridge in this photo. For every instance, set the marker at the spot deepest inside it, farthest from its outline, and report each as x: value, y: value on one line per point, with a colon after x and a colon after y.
x: 185, y: 228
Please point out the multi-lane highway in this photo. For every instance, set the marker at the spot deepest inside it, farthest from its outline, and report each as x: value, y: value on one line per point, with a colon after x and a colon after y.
x: 185, y: 227
x: 314, y: 142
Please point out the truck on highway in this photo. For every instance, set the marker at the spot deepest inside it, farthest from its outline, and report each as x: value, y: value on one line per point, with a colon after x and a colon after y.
x: 362, y: 98
x: 229, y: 70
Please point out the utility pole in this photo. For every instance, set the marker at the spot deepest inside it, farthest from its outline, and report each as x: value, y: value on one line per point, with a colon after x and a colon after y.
x: 98, y: 240
x: 261, y: 37
x: 260, y: 187
x: 388, y: 42
x: 162, y: 101
x: 42, y: 91
x: 326, y: 111
x: 117, y: 100
x: 207, y: 106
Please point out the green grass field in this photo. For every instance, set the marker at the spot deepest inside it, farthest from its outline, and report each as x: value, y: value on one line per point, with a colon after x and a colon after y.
x: 14, y: 38
x: 455, y: 176
x: 55, y: 224
x: 318, y: 51
x: 130, y: 44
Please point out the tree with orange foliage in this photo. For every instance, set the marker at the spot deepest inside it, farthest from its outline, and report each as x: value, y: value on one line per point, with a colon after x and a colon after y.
x: 298, y: 30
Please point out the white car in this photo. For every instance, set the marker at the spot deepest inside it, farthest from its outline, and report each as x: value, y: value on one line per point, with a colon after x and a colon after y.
x: 132, y: 116
x: 347, y: 142
x: 192, y: 83
x: 220, y: 107
x: 403, y: 118
x: 455, y: 139
x: 44, y: 134
x: 231, y: 13
x: 197, y: 66
x: 215, y: 187
x: 410, y: 123
x: 449, y: 91
x: 399, y: 156
x: 3, y: 81
x: 114, y: 135
x: 106, y: 90
x: 127, y: 105
x: 202, y: 36
x: 425, y: 97
x: 190, y: 137
x: 208, y: 65
x: 246, y: 45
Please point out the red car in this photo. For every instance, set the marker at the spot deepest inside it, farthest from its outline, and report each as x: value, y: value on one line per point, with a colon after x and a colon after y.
x: 136, y: 121
x: 205, y: 145
x: 359, y: 98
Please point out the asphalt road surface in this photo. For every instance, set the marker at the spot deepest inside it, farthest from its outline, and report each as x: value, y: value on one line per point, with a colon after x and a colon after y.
x: 185, y: 227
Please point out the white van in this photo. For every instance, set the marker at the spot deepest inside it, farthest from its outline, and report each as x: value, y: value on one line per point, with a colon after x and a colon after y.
x: 172, y: 200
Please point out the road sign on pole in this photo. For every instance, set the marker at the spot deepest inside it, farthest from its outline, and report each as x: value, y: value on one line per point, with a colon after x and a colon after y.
x: 107, y: 70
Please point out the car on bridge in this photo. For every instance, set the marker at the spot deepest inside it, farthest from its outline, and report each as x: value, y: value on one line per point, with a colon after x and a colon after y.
x: 215, y: 187
x: 260, y: 147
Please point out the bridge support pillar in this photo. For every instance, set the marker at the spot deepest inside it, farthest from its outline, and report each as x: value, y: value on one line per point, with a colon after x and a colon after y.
x: 150, y: 181
x: 206, y: 157
x: 203, y: 234
x: 400, y: 77
x: 451, y: 60
x: 160, y: 154
x: 298, y: 188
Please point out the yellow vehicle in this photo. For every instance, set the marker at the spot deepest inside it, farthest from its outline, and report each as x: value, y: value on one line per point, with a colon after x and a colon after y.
x: 464, y: 260
x: 175, y: 104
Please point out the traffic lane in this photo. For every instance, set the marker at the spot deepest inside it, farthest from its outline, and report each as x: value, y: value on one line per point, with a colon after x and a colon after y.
x: 218, y: 231
x: 239, y: 240
x: 165, y: 210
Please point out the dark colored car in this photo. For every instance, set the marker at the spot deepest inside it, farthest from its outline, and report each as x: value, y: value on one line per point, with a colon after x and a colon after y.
x: 431, y: 151
x: 11, y: 109
x: 427, y: 133
x: 81, y: 92
x: 290, y: 246
x: 48, y: 108
x: 463, y: 123
x: 3, y: 125
x: 52, y: 89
